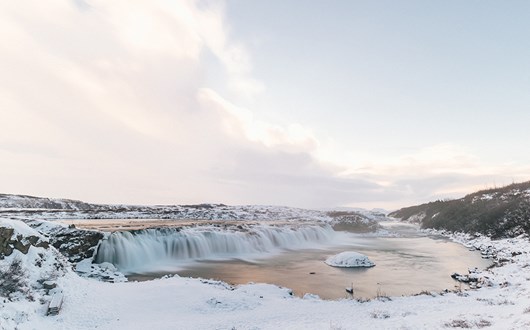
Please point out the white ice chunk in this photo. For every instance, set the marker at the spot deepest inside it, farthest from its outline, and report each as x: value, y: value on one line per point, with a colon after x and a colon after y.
x: 349, y: 259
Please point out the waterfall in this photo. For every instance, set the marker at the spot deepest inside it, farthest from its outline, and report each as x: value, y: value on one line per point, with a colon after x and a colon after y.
x: 149, y: 249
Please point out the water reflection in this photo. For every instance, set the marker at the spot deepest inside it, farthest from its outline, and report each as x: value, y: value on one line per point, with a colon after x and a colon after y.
x: 407, y: 264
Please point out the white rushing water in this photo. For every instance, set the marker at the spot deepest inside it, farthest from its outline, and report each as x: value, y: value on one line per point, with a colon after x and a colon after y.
x: 155, y: 249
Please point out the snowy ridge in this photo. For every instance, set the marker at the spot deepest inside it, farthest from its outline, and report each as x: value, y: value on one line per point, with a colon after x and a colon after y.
x: 11, y: 202
x: 499, y: 212
x: 24, y: 271
x: 19, y: 228
x: 373, y: 214
x: 194, y: 212
x: 26, y: 207
x: 145, y: 250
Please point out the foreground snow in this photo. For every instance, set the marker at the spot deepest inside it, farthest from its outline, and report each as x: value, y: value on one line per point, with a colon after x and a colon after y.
x: 184, y: 303
x: 349, y: 259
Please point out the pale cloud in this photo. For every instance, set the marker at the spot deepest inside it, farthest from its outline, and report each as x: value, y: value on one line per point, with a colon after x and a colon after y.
x: 233, y: 56
x: 436, y: 159
x: 101, y: 103
x: 109, y: 102
x: 240, y: 122
x: 435, y: 172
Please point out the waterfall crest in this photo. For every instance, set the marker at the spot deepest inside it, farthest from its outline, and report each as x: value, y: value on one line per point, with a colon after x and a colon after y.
x: 142, y: 250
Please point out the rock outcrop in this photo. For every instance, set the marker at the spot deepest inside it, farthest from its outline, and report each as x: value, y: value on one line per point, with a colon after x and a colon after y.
x: 75, y: 244
x: 10, y: 241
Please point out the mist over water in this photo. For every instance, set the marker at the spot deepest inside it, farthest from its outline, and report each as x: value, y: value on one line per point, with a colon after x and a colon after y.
x: 152, y: 250
x: 407, y: 261
x: 407, y: 264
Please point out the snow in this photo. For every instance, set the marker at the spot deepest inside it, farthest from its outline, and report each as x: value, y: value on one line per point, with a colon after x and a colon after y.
x: 47, y: 227
x: 104, y: 270
x: 185, y: 303
x: 27, y: 207
x: 349, y: 259
x: 39, y: 265
x: 20, y: 228
x: 417, y: 218
x: 501, y: 195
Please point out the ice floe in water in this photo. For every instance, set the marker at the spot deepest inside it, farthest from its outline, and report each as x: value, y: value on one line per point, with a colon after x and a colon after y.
x: 349, y: 259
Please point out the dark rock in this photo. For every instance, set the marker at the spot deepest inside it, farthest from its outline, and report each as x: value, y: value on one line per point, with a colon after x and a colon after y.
x: 8, y: 243
x: 75, y: 244
x: 460, y: 278
x: 7, y: 251
x: 352, y: 222
x: 48, y: 285
x: 43, y: 244
x: 5, y: 236
x: 24, y: 248
x: 33, y: 240
x: 6, y: 232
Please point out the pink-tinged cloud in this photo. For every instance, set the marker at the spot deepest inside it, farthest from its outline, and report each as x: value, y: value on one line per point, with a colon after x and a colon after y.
x: 110, y: 102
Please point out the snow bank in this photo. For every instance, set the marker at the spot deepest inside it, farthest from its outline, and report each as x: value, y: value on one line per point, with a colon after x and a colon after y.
x: 186, y: 303
x: 349, y: 259
x: 24, y: 269
x: 20, y: 228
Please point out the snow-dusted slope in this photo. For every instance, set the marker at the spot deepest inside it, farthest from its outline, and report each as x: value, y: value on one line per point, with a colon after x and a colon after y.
x: 26, y: 207
x: 30, y: 202
x: 27, y: 264
x: 500, y: 212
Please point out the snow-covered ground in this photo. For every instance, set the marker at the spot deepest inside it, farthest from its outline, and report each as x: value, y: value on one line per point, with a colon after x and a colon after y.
x: 184, y: 303
x: 29, y: 207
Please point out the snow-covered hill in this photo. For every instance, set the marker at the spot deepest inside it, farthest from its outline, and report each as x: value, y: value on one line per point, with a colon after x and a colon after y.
x: 27, y: 207
x: 8, y: 201
x: 499, y: 212
x: 29, y: 268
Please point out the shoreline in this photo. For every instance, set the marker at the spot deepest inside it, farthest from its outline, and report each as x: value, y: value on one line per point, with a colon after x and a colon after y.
x: 203, y: 304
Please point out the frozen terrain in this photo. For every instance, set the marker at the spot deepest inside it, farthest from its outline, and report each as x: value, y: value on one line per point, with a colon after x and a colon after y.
x: 29, y: 207
x: 182, y: 303
x: 498, y: 212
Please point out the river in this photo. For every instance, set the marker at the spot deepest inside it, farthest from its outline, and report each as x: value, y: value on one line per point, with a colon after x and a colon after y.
x: 407, y: 262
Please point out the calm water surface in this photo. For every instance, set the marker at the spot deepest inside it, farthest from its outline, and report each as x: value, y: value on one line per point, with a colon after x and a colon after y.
x: 405, y: 265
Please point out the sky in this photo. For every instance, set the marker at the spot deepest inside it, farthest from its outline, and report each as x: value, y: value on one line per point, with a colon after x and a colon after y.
x: 311, y: 104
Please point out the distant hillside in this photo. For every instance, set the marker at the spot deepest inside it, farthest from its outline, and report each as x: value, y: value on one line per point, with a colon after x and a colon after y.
x: 498, y: 212
x: 29, y: 202
x: 29, y: 207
